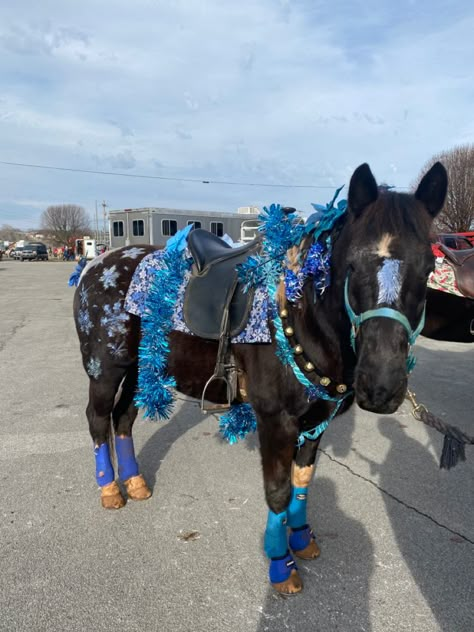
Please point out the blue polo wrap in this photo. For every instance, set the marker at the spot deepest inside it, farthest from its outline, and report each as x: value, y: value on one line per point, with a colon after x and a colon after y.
x: 281, y: 568
x: 104, y: 472
x: 297, y: 507
x: 276, y: 541
x: 127, y: 463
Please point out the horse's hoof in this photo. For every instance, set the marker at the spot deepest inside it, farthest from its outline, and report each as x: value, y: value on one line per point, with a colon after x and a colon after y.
x: 303, y: 543
x: 311, y: 552
x: 136, y: 488
x: 111, y: 496
x: 290, y: 586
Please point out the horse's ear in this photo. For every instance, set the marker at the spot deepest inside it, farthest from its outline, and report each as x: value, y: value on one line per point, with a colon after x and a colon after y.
x: 362, y: 189
x: 432, y: 189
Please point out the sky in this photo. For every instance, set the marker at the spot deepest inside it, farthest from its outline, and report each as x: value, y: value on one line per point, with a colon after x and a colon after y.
x: 253, y: 93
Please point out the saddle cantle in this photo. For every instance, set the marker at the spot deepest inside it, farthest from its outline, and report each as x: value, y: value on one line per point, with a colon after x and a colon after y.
x: 214, y: 286
x: 462, y: 262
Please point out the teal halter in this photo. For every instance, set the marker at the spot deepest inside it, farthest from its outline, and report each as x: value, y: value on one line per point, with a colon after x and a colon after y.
x: 383, y: 312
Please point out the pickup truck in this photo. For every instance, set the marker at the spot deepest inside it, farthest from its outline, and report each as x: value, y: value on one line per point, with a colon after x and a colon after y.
x: 34, y: 252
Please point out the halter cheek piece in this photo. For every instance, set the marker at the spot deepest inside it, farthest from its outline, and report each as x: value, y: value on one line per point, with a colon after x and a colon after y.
x: 383, y: 312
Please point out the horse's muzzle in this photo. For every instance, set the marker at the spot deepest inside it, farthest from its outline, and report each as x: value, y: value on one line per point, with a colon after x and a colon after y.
x: 380, y: 393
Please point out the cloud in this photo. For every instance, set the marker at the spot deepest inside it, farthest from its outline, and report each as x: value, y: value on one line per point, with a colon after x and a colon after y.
x: 31, y: 39
x: 121, y: 160
x: 276, y: 92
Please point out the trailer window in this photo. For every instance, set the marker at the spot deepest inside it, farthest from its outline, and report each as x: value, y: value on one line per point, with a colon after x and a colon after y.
x: 138, y: 228
x: 169, y: 227
x: 118, y: 229
x: 195, y: 223
x: 217, y: 228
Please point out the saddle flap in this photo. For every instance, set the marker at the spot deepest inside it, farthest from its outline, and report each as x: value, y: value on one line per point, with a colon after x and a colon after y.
x: 213, y: 288
x: 458, y: 257
x: 462, y: 262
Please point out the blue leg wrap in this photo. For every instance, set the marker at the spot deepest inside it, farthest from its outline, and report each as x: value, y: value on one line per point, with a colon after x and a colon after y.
x: 301, y: 538
x: 281, y: 568
x: 127, y: 463
x: 276, y: 541
x: 104, y: 472
x: 297, y: 507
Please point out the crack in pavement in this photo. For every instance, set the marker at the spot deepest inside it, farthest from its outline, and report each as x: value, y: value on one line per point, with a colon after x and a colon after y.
x: 380, y: 489
x: 10, y: 335
x: 398, y: 500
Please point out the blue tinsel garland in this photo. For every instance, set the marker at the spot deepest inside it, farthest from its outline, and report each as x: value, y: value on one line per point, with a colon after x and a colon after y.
x: 237, y: 423
x: 76, y: 275
x: 281, y: 231
x: 155, y: 386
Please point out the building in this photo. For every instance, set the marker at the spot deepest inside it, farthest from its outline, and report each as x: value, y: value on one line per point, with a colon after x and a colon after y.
x: 155, y: 226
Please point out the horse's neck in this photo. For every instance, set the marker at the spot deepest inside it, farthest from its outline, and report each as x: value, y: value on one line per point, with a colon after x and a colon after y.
x: 323, y: 332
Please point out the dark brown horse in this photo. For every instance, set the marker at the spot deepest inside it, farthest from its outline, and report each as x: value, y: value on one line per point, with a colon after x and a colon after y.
x: 449, y: 317
x: 381, y: 259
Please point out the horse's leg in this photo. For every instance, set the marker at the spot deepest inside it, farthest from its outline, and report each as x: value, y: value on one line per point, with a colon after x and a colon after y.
x: 102, y: 393
x: 302, y: 541
x: 277, y: 443
x: 123, y: 416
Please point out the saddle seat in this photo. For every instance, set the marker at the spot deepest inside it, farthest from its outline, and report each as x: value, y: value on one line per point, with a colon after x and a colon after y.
x: 462, y: 262
x: 207, y: 248
x: 214, y: 287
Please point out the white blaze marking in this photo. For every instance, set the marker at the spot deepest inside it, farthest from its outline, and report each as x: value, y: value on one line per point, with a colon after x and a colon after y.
x: 383, y: 247
x: 389, y: 281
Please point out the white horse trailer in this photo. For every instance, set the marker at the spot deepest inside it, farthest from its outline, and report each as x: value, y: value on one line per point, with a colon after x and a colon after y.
x: 132, y: 227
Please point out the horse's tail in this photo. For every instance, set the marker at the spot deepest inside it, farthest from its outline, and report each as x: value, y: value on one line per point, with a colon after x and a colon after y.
x: 76, y: 275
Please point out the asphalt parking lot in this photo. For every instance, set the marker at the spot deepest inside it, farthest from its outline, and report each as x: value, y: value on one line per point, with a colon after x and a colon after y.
x: 396, y: 533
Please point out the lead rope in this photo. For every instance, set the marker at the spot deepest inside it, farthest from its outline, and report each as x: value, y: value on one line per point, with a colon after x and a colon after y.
x: 454, y: 439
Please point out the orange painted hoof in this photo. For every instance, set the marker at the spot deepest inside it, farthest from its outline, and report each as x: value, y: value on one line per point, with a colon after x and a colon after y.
x: 111, y: 496
x: 311, y: 552
x: 136, y: 488
x: 290, y: 586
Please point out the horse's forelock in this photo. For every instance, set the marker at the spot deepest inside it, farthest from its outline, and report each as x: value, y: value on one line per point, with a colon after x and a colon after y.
x: 395, y: 214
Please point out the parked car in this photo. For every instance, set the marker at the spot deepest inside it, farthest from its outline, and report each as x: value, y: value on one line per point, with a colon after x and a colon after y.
x: 34, y: 252
x: 16, y: 253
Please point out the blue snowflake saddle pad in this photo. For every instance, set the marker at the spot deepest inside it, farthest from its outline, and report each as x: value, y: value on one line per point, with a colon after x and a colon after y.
x: 256, y: 331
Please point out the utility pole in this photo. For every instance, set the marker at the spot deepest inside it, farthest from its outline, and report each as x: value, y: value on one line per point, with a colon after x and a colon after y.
x: 96, y: 223
x: 104, y: 206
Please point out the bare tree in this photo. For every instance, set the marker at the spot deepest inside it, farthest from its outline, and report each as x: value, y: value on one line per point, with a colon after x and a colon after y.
x: 458, y: 212
x: 10, y: 233
x: 65, y: 221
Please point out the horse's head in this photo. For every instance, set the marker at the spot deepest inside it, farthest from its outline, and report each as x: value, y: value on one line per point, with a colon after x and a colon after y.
x: 387, y: 262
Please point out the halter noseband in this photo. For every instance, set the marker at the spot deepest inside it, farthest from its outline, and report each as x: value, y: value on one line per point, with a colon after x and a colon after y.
x: 382, y: 312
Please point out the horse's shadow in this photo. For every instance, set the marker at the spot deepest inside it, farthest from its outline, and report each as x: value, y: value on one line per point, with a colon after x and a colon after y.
x: 336, y: 585
x: 436, y: 557
x: 431, y: 520
x: 157, y: 446
x: 338, y: 436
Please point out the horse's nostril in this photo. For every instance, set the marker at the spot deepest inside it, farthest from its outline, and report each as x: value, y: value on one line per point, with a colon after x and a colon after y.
x: 375, y: 391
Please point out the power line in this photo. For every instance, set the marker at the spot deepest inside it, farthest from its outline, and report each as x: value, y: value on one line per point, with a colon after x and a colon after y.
x: 148, y: 177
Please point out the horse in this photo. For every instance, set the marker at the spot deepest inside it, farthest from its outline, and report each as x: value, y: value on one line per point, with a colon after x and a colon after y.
x: 449, y: 317
x: 352, y: 343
